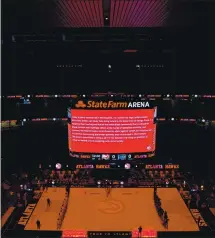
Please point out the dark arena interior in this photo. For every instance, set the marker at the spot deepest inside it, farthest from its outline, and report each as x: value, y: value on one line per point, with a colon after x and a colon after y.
x: 108, y: 118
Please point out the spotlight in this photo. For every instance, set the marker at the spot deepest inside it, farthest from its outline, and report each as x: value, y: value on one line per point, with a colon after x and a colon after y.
x: 53, y: 182
x: 54, y: 119
x: 172, y: 119
x: 67, y: 165
x: 50, y: 166
x: 121, y: 182
x: 109, y: 66
x: 24, y: 119
x: 138, y: 67
x: 29, y: 96
x: 106, y: 18
x: 111, y: 95
x: 202, y: 187
x: 168, y: 95
x: 203, y: 120
x: 140, y: 95
x: 118, y: 166
x: 56, y: 96
x: 127, y: 166
x: 195, y: 95
x: 58, y: 166
x: 84, y: 95
x: 99, y: 182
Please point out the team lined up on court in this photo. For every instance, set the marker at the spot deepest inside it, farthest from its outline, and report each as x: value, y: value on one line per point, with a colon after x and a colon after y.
x: 163, y: 214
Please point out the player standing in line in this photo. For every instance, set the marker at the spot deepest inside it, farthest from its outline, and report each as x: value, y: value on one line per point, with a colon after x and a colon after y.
x: 106, y: 185
x: 48, y: 202
x: 108, y: 188
x: 38, y: 224
x: 107, y: 192
x: 140, y: 231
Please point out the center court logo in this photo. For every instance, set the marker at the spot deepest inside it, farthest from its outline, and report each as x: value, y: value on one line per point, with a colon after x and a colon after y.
x: 110, y: 206
x: 80, y: 104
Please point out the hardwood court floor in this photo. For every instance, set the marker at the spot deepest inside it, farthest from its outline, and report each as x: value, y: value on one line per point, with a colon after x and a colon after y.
x: 124, y: 210
x: 180, y: 218
x: 47, y: 215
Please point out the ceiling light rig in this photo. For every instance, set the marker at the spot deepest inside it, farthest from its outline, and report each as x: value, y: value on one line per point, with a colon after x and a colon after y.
x: 138, y: 66
x: 106, y: 21
x: 182, y: 97
x: 194, y: 96
x: 69, y: 66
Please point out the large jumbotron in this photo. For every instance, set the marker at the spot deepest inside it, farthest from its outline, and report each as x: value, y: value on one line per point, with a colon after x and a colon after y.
x: 112, y: 129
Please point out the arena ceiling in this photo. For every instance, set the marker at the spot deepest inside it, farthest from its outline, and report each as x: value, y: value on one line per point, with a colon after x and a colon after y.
x: 22, y: 15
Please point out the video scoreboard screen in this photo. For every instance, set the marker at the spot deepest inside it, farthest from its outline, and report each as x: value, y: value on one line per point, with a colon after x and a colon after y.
x: 111, y: 130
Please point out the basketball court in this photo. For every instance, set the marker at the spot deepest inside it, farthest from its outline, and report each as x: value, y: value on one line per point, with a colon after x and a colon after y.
x: 125, y: 209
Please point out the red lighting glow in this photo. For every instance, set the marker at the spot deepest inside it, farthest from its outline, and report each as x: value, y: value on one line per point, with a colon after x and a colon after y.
x: 74, y: 233
x: 80, y: 13
x: 138, y: 13
x: 145, y: 233
x: 130, y: 51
